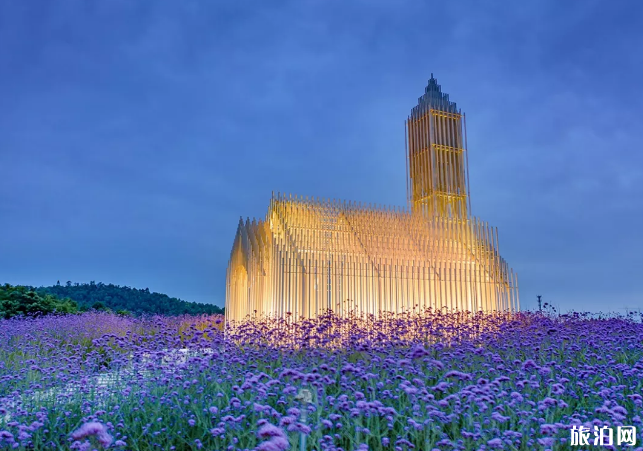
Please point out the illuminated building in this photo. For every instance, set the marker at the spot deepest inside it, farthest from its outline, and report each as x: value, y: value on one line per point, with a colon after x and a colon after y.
x: 310, y: 255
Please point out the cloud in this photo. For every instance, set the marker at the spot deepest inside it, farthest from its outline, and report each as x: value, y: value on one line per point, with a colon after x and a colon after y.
x: 137, y: 133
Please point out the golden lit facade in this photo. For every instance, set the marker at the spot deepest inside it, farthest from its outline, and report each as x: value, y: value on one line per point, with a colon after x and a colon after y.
x: 310, y: 255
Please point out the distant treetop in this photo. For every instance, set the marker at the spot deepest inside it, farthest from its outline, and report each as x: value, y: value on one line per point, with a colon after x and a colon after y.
x: 99, y: 296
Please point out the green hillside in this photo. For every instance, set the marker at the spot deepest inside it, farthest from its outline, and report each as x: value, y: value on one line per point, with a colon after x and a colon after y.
x: 72, y: 297
x: 116, y: 297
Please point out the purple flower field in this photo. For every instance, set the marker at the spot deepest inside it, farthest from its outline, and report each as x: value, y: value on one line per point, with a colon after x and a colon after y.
x: 430, y: 381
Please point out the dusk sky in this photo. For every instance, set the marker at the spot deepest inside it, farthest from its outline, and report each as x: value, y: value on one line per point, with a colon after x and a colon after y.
x: 134, y: 134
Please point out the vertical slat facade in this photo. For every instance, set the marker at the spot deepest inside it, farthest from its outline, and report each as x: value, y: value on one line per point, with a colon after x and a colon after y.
x: 372, y: 260
x: 309, y: 255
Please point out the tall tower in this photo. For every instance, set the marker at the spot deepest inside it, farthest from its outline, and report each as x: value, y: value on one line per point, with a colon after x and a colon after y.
x: 310, y: 255
x: 437, y: 166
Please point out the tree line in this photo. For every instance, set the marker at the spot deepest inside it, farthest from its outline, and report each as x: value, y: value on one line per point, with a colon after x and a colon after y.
x: 78, y: 297
x: 22, y: 300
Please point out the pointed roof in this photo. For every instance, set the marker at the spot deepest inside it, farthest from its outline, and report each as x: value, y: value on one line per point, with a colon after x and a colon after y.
x: 434, y: 98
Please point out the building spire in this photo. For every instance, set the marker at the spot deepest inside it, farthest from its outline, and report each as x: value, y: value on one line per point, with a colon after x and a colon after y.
x: 434, y: 98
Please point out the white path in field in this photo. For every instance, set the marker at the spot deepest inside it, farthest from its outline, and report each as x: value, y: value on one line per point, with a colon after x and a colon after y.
x: 100, y: 387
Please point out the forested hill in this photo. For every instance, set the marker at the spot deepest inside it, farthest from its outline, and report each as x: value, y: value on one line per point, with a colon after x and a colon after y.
x: 117, y: 298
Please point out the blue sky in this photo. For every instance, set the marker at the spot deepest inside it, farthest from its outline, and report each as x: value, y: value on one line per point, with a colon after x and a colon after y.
x: 134, y: 134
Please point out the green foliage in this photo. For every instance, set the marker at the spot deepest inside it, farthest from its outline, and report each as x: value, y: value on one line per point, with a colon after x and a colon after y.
x: 98, y: 306
x: 73, y: 298
x: 21, y: 300
x: 126, y: 300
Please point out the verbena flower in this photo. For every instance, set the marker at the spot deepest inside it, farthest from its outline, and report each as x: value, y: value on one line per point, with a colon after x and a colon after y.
x: 269, y: 430
x: 95, y: 429
x: 274, y: 444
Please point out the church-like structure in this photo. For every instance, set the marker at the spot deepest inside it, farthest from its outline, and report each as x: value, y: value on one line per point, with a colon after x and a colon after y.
x: 311, y: 255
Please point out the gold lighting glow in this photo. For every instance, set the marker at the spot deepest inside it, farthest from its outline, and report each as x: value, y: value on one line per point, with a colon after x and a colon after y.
x: 309, y: 256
